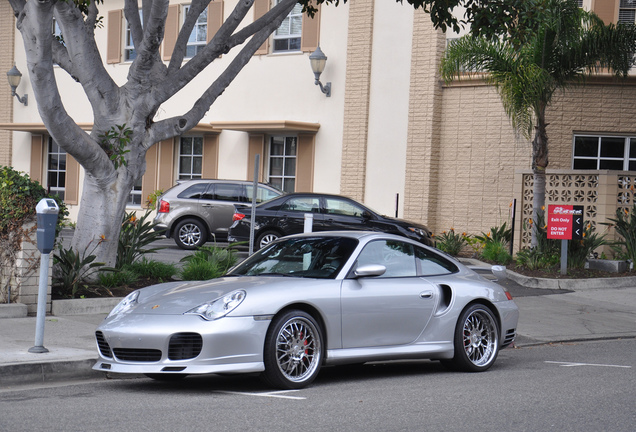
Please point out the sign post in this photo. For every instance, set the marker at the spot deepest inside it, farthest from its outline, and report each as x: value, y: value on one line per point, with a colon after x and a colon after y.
x: 565, y: 222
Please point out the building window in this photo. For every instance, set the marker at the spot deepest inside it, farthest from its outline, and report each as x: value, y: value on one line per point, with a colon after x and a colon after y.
x: 627, y: 12
x: 134, y: 199
x: 190, y: 157
x: 199, y: 36
x: 604, y: 153
x: 56, y: 169
x: 282, y: 162
x: 287, y: 36
x: 129, y: 49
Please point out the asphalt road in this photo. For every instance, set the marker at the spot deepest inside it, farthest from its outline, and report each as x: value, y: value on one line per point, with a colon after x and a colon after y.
x: 587, y: 386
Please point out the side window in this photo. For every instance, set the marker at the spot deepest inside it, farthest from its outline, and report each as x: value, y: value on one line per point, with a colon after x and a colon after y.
x: 396, y: 256
x: 129, y: 47
x: 199, y: 36
x: 282, y: 162
x: 190, y: 157
x: 432, y: 264
x: 56, y: 169
x: 305, y: 205
x: 287, y: 36
x: 195, y: 191
x: 228, y: 192
x: 262, y: 194
x: 343, y: 208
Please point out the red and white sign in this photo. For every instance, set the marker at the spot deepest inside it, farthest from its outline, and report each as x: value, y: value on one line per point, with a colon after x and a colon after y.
x: 565, y: 222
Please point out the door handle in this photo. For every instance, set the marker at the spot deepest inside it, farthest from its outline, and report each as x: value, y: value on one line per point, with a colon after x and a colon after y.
x: 426, y: 294
x: 207, y: 205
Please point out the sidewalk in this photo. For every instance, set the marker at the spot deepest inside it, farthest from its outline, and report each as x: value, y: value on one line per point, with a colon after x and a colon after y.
x: 587, y: 314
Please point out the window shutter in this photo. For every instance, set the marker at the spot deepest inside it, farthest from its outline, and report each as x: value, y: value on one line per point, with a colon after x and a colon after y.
x: 260, y: 8
x: 305, y: 163
x: 607, y: 10
x: 215, y: 18
x: 71, y: 187
x: 113, y: 45
x: 166, y: 172
x: 210, y: 155
x: 256, y: 145
x: 172, y: 31
x: 37, y: 158
x: 149, y: 179
x: 310, y: 38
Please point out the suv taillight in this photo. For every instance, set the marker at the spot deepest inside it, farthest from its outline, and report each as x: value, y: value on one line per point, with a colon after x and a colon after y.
x: 237, y: 217
x: 164, y: 207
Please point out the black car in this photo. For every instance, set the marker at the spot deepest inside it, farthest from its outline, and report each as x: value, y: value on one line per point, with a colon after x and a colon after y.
x: 285, y: 215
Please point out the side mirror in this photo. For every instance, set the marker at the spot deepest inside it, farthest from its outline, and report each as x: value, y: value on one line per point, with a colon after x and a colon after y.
x: 369, y: 270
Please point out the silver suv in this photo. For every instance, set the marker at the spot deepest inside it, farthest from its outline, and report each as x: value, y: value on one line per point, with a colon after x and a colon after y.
x: 195, y: 211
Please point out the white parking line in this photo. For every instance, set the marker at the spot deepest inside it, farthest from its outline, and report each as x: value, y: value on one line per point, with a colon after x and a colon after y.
x: 276, y: 394
x: 570, y: 364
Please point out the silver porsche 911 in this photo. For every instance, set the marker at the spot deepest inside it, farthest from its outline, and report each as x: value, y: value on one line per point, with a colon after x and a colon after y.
x: 310, y: 300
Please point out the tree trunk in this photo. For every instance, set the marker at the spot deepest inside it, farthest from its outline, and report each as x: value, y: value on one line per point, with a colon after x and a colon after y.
x: 539, y: 165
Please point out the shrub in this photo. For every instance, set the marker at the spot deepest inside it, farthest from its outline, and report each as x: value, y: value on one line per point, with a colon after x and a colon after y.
x: 496, y: 252
x: 580, y: 250
x: 450, y: 242
x: 136, y: 234
x: 208, y: 262
x: 156, y: 269
x: 625, y: 225
x: 117, y: 278
x: 71, y: 270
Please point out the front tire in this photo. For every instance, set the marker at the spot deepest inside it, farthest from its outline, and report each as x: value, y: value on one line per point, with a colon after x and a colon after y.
x: 476, y: 340
x: 190, y: 234
x: 293, y: 351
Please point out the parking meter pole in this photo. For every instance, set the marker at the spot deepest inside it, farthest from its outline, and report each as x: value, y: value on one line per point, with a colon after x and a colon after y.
x: 257, y: 159
x: 46, y: 212
x: 41, y: 310
x: 309, y: 222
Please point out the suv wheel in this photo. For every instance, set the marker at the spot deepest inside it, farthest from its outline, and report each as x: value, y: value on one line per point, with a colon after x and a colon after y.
x: 266, y: 238
x: 190, y: 234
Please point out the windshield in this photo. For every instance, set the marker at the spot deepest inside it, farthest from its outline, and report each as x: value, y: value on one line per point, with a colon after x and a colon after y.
x: 313, y: 257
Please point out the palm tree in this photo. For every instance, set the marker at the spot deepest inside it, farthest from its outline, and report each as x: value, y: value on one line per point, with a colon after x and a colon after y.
x: 561, y: 46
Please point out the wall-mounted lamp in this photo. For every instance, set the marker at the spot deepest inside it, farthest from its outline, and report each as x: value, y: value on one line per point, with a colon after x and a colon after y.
x: 318, y: 59
x: 14, y: 76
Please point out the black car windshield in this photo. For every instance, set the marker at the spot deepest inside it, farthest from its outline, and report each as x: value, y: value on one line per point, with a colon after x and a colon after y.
x: 312, y: 257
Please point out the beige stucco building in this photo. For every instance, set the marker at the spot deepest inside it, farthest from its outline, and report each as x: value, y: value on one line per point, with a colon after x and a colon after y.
x: 391, y: 134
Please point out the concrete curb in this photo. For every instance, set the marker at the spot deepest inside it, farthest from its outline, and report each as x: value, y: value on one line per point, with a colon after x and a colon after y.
x: 47, y: 372
x: 84, y: 306
x: 572, y: 284
x: 13, y: 310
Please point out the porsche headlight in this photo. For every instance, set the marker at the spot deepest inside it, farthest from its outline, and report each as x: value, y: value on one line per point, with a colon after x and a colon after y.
x: 220, y: 307
x: 128, y: 302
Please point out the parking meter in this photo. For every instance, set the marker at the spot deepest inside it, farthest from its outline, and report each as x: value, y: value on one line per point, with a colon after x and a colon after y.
x: 46, y: 210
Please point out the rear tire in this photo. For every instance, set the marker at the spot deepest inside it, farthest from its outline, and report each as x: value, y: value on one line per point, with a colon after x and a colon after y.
x: 190, y: 234
x: 266, y: 238
x: 476, y: 340
x: 293, y: 351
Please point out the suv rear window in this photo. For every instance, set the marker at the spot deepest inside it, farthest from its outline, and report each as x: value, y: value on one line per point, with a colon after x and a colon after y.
x: 228, y: 192
x: 194, y: 192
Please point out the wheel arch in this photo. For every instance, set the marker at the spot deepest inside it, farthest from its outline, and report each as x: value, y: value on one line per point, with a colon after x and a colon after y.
x: 490, y: 305
x: 180, y: 219
x: 311, y: 310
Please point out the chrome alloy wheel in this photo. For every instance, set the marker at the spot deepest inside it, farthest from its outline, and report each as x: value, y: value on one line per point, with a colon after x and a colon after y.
x: 480, y: 337
x: 298, y: 350
x: 190, y: 234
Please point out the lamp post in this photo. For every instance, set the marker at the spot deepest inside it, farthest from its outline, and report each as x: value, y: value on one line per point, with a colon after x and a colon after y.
x: 14, y: 76
x: 318, y: 60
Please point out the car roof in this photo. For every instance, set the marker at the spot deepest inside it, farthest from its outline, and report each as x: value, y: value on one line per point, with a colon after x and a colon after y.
x: 358, y: 235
